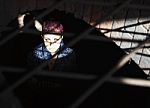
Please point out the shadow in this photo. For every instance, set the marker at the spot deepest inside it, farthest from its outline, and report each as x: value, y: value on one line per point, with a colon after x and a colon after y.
x: 93, y: 57
x: 128, y: 49
x: 146, y: 68
x: 145, y: 55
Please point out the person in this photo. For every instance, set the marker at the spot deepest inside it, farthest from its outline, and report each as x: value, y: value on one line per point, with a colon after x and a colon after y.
x: 52, y: 50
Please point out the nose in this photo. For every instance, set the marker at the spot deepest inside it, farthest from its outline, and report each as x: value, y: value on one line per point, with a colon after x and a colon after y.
x: 51, y: 42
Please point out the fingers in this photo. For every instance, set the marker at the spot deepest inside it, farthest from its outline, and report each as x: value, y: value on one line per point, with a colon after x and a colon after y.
x: 38, y: 25
x: 21, y: 20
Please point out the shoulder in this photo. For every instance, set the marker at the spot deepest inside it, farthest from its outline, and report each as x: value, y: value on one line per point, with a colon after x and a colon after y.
x: 41, y: 52
x: 65, y: 53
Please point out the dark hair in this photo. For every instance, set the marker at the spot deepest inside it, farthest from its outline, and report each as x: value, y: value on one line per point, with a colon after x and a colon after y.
x: 52, y: 27
x: 28, y: 17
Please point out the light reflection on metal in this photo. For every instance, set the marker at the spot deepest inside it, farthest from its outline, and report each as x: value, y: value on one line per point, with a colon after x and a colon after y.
x: 120, y: 80
x: 130, y: 81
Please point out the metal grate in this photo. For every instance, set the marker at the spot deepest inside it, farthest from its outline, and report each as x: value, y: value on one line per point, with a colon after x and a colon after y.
x: 108, y: 77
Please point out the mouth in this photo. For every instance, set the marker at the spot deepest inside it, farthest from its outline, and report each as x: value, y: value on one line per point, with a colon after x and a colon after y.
x: 51, y: 48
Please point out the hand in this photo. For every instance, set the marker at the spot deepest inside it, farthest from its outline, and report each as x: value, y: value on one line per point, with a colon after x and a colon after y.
x: 21, y: 19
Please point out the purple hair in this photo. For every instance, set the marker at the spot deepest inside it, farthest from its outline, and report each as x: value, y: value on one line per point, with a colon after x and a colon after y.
x: 49, y: 27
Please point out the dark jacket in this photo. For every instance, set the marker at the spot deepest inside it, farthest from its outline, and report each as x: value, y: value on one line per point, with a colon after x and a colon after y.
x: 65, y: 61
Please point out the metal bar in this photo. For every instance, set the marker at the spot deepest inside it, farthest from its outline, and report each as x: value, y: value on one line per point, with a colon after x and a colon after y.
x: 130, y: 81
x: 113, y: 22
x: 128, y: 49
x: 136, y: 24
x: 70, y: 75
x: 102, y: 3
x: 146, y: 55
x: 140, y: 16
x: 104, y: 39
x: 139, y: 6
x: 145, y: 68
x: 125, y: 31
x: 78, y: 76
x: 12, y: 69
x: 5, y: 28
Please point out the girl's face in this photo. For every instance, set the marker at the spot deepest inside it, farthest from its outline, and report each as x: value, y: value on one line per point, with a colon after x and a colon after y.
x: 52, y: 42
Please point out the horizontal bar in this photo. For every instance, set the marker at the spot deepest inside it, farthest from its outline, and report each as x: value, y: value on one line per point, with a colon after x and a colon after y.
x: 130, y: 81
x: 79, y: 76
x: 112, y: 4
x: 46, y: 73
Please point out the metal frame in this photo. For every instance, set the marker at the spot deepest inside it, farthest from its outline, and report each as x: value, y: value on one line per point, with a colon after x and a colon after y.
x: 99, y: 82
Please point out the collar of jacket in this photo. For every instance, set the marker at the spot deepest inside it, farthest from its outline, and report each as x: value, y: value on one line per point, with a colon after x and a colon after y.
x: 42, y: 53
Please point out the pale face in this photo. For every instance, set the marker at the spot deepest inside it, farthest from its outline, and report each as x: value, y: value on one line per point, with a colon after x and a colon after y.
x: 52, y: 42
